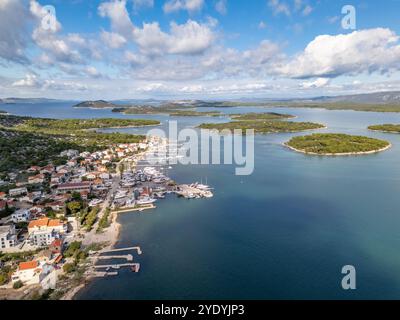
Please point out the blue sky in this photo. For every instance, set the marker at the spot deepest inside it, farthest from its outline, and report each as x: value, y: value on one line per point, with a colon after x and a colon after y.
x: 118, y: 49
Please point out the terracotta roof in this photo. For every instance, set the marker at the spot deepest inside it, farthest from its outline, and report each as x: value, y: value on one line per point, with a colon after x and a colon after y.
x: 44, y: 222
x: 54, y: 223
x: 38, y: 223
x: 28, y: 265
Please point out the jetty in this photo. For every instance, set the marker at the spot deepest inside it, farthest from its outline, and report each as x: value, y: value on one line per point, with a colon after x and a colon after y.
x: 127, y: 257
x: 138, y: 249
x: 134, y: 266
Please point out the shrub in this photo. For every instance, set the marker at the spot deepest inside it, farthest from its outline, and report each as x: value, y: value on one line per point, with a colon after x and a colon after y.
x: 18, y: 285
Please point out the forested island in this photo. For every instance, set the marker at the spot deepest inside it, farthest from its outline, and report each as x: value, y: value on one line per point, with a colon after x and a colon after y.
x: 263, y: 126
x: 173, y: 110
x: 260, y: 116
x: 391, y: 128
x: 98, y: 104
x: 333, y: 144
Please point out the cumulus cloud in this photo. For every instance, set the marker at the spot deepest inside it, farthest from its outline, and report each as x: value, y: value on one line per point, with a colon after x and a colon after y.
x: 112, y: 39
x: 30, y: 80
x: 365, y: 51
x: 33, y: 81
x: 191, y: 37
x: 188, y: 5
x: 13, y: 30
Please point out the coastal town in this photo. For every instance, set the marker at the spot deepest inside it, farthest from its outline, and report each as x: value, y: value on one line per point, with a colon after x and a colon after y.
x: 58, y: 221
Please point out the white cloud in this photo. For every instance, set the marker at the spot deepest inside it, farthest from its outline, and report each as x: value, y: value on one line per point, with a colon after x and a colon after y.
x: 34, y: 82
x: 262, y: 25
x: 188, y: 5
x: 191, y: 37
x: 221, y: 6
x: 30, y: 80
x: 116, y: 11
x: 112, y: 39
x: 13, y: 30
x: 279, y: 7
x: 318, y: 83
x: 307, y: 10
x: 92, y: 71
x: 138, y: 4
x: 365, y: 51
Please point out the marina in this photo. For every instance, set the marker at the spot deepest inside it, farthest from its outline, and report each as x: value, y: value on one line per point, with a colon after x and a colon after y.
x: 142, y: 185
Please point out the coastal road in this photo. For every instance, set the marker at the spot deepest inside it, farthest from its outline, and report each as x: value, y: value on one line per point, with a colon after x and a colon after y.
x: 93, y: 236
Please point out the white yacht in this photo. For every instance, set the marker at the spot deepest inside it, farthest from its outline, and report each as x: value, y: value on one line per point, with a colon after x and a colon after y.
x: 145, y: 200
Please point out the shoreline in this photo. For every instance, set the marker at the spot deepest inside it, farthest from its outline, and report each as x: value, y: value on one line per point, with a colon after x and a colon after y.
x: 114, y: 229
x: 384, y: 131
x: 338, y: 154
x: 111, y: 235
x: 264, y: 133
x: 126, y: 127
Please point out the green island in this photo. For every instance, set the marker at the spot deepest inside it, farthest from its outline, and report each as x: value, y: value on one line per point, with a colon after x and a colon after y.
x: 391, y: 128
x: 263, y: 126
x: 170, y: 108
x: 2, y: 112
x: 183, y: 113
x: 28, y: 141
x: 334, y: 144
x: 260, y: 116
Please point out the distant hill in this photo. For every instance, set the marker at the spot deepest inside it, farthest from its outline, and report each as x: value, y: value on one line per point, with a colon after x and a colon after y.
x: 391, y: 98
x: 98, y: 104
x: 27, y: 100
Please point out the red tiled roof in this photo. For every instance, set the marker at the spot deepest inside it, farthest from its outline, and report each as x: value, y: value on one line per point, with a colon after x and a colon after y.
x: 44, y: 222
x: 28, y: 265
x: 54, y: 223
x: 38, y: 223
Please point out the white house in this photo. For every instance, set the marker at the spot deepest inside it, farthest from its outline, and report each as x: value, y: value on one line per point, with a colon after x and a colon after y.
x: 44, y: 231
x: 32, y: 272
x: 17, y: 192
x: 8, y: 237
x: 21, y: 215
